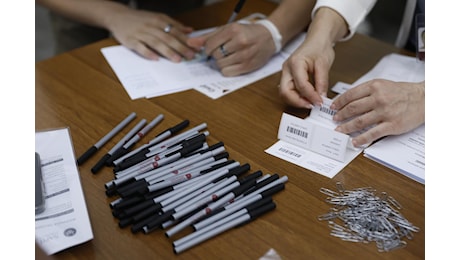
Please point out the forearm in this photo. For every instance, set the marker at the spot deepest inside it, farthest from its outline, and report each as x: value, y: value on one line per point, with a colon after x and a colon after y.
x: 352, y: 11
x: 291, y: 17
x: 327, y: 27
x: 91, y: 12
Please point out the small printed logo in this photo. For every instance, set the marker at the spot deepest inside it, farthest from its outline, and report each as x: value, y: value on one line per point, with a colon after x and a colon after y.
x: 70, y: 232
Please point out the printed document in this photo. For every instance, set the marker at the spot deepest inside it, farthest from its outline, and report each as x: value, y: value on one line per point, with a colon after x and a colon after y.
x: 390, y: 149
x: 65, y: 221
x: 143, y: 78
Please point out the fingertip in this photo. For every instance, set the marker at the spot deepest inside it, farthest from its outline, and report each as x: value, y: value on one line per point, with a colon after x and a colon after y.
x: 152, y: 56
x: 355, y: 143
x: 175, y: 58
x: 333, y: 106
x: 195, y: 42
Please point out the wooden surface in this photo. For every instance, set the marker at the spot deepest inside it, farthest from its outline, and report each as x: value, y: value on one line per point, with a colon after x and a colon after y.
x: 79, y: 90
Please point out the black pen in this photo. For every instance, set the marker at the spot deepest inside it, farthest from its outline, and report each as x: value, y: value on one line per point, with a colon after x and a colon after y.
x: 93, y: 149
x: 235, y: 13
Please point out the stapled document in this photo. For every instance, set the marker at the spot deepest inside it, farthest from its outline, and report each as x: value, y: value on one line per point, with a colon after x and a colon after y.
x: 64, y: 222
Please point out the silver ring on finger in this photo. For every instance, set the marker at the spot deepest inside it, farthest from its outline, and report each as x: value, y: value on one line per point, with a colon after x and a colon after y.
x: 167, y: 28
x: 223, y: 50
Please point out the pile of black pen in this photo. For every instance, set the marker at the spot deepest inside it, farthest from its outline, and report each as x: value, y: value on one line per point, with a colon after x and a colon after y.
x: 177, y: 182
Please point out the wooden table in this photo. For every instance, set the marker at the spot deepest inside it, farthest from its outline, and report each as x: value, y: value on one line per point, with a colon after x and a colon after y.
x: 79, y: 90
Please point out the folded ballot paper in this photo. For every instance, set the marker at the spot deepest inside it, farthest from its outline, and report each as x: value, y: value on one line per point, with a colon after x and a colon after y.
x: 64, y: 222
x: 312, y: 143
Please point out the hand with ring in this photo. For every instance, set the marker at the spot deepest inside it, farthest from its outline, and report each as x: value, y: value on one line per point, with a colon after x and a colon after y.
x: 237, y: 48
x: 223, y: 50
x: 151, y: 34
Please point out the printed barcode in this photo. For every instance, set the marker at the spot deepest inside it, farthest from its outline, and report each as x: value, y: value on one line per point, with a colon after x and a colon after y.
x: 289, y: 152
x: 297, y: 132
x: 327, y: 110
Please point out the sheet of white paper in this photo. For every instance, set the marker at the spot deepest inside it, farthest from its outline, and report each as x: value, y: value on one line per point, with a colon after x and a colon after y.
x: 388, y: 152
x: 65, y: 221
x: 147, y: 78
x: 310, y: 160
x: 142, y: 77
x: 394, y: 67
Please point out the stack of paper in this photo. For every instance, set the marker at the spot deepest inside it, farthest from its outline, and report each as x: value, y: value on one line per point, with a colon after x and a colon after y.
x: 65, y: 221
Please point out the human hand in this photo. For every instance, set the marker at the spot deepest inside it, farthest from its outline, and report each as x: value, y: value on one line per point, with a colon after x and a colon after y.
x: 310, y: 62
x: 147, y: 34
x: 392, y: 108
x: 245, y: 47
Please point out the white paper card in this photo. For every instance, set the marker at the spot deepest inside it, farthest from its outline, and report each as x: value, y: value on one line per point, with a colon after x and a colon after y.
x: 308, y: 135
x: 327, y: 151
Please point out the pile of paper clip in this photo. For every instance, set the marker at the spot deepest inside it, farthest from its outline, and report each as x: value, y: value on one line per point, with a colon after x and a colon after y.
x: 366, y: 217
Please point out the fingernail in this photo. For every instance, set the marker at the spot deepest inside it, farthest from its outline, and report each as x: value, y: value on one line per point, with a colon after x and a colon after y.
x: 176, y: 58
x: 355, y: 143
x: 190, y: 54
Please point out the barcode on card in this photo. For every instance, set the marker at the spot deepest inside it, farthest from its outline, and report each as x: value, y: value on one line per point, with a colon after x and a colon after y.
x: 298, y: 132
x: 327, y: 110
x: 286, y: 151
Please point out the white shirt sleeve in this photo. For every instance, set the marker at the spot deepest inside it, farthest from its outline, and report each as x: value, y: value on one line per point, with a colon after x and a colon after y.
x: 353, y: 11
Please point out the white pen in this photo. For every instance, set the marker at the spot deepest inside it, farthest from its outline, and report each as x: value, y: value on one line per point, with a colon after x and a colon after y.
x: 131, y: 142
x: 226, y: 224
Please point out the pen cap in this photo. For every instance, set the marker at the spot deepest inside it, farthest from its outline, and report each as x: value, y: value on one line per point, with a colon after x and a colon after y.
x: 258, y: 203
x: 86, y: 155
x: 253, y: 175
x: 132, y: 160
x: 100, y: 164
x: 239, y: 170
x: 176, y: 128
x: 190, y: 147
x: 270, y: 179
x: 217, y: 166
x: 259, y: 211
x: 272, y: 190
x: 216, y: 145
x: 221, y: 156
x: 243, y: 187
x: 160, y: 219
